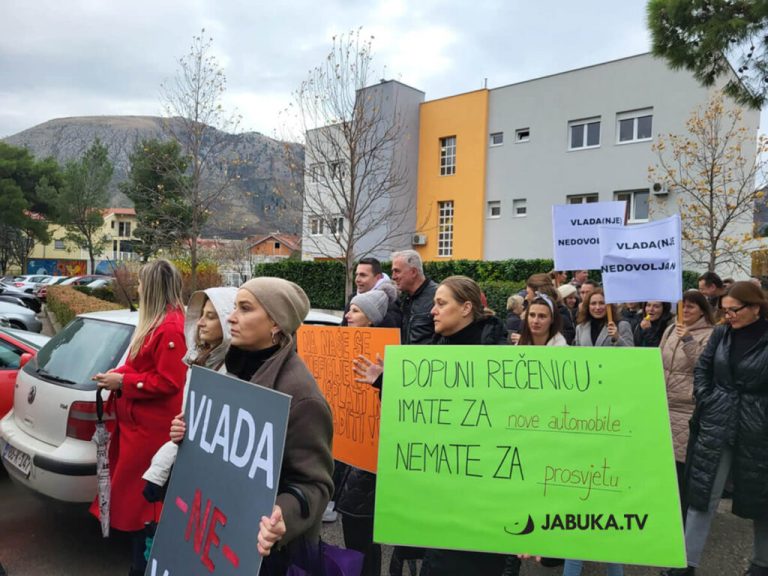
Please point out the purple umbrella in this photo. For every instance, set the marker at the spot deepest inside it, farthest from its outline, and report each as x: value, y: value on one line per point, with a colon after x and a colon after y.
x: 101, y: 438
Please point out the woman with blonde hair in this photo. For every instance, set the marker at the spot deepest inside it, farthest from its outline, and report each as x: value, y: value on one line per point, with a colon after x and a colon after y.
x: 146, y: 395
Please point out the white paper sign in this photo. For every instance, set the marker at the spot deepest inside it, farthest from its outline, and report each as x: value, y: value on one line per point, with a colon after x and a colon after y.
x: 574, y: 229
x: 642, y: 262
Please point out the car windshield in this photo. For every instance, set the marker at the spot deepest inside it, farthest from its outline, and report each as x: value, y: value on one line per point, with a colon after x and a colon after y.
x: 83, y: 348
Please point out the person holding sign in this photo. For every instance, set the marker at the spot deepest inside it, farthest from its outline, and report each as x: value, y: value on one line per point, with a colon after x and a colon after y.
x: 651, y: 328
x: 358, y: 488
x: 681, y: 347
x: 147, y: 394
x: 460, y: 318
x: 729, y: 428
x: 267, y: 313
x: 595, y: 325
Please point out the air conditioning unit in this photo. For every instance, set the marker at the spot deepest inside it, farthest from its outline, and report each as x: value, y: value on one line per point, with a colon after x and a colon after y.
x: 419, y: 239
x: 659, y: 189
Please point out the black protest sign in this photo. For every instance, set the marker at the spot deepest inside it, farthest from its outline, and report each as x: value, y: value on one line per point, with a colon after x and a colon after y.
x: 225, y: 478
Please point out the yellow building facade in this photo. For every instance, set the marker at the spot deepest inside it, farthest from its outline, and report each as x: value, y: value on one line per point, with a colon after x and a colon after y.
x: 451, y: 177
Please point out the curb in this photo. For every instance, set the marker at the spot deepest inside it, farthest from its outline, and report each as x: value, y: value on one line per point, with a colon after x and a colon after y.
x: 51, y: 320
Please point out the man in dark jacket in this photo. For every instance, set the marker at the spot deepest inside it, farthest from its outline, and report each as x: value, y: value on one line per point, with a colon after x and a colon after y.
x: 417, y: 297
x: 369, y: 275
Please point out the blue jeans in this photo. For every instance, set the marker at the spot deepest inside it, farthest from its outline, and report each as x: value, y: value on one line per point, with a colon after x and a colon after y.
x: 573, y: 568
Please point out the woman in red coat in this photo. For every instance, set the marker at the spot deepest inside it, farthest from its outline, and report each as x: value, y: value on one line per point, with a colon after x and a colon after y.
x: 147, y: 394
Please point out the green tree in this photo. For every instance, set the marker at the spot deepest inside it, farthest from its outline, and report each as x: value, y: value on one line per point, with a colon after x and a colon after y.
x: 27, y: 188
x: 156, y: 182
x: 195, y: 118
x: 711, y: 171
x: 713, y: 39
x: 82, y: 199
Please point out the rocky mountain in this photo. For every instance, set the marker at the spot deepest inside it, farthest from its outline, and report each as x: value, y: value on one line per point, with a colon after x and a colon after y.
x: 260, y: 202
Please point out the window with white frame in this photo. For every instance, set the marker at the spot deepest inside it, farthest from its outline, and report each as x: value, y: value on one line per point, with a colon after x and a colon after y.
x: 337, y: 225
x: 316, y: 171
x: 637, y: 205
x: 448, y: 156
x: 316, y: 226
x: 58, y: 244
x: 494, y: 209
x: 445, y: 228
x: 584, y: 134
x: 583, y: 199
x: 522, y: 135
x: 635, y: 126
x: 497, y: 138
x: 519, y: 207
x: 124, y: 229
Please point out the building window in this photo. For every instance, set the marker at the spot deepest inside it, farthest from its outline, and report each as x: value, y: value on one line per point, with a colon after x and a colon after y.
x: 316, y: 171
x: 338, y: 170
x: 522, y: 135
x: 445, y: 228
x: 519, y: 208
x: 584, y: 134
x: 114, y: 246
x: 497, y: 138
x: 636, y: 207
x: 112, y: 224
x: 494, y: 209
x: 337, y: 225
x: 316, y: 226
x: 635, y: 126
x: 448, y: 156
x: 58, y: 244
x: 277, y: 245
x: 124, y: 229
x: 583, y: 199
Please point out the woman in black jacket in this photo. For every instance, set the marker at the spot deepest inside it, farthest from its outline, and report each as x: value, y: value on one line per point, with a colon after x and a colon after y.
x: 729, y: 428
x: 460, y: 319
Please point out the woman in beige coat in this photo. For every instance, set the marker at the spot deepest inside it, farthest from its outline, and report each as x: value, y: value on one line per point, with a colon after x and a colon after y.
x: 681, y: 345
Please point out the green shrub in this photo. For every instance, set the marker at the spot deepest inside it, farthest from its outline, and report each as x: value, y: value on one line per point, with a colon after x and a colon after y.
x: 322, y: 280
x: 496, y: 293
x: 103, y: 293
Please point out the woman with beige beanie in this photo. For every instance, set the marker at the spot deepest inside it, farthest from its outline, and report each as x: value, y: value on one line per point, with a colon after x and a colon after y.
x: 267, y: 313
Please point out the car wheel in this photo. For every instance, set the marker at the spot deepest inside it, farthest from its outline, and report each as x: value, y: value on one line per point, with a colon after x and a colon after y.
x: 16, y: 324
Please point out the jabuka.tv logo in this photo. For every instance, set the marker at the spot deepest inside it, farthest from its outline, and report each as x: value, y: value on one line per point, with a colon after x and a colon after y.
x: 580, y: 522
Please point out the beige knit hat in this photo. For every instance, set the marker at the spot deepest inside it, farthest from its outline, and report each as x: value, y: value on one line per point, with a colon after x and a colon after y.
x: 285, y: 302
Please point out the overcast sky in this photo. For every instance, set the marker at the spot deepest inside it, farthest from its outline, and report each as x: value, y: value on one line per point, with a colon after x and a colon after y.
x: 96, y: 57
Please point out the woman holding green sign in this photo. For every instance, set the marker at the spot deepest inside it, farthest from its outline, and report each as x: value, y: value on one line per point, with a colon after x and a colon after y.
x: 460, y: 318
x: 729, y: 428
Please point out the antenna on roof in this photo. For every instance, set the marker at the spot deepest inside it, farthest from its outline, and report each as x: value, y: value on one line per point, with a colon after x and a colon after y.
x: 485, y: 83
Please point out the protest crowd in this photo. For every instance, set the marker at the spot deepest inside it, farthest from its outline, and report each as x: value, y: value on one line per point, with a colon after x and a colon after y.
x: 713, y: 346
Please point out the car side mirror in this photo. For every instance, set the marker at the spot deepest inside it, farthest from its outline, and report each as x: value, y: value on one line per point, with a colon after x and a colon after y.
x: 26, y: 357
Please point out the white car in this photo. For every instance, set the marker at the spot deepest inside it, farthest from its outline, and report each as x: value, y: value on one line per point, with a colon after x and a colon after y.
x: 45, y: 441
x: 27, y: 283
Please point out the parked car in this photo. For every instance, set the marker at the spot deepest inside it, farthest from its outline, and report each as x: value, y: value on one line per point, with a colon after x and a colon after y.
x: 100, y: 282
x: 30, y: 301
x: 46, y: 442
x: 4, y: 323
x: 14, y: 345
x: 41, y: 290
x: 27, y: 283
x: 83, y: 280
x: 46, y: 439
x: 21, y: 317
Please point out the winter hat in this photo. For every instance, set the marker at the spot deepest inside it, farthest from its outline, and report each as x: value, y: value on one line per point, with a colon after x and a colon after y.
x: 373, y: 304
x: 566, y: 290
x: 285, y: 302
x: 389, y: 289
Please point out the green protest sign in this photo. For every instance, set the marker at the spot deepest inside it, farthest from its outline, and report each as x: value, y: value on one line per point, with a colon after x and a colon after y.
x: 562, y: 452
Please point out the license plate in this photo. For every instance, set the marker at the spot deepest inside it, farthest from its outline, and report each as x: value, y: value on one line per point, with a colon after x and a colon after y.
x: 18, y: 459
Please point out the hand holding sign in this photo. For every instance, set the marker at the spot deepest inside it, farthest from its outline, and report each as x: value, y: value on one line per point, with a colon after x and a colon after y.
x: 271, y: 531
x: 178, y: 428
x: 368, y: 371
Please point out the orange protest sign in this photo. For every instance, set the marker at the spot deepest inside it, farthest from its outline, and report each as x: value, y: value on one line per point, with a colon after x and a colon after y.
x: 328, y: 352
